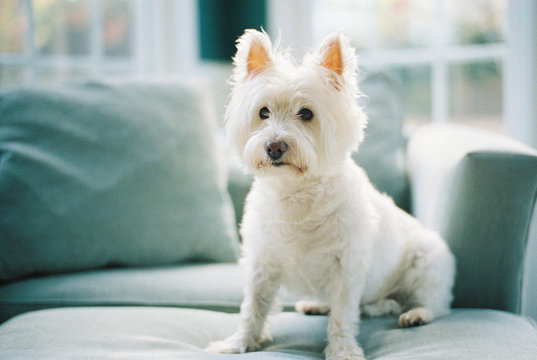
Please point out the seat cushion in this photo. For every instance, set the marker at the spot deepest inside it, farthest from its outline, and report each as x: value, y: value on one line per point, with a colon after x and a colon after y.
x: 166, y: 333
x: 102, y: 173
x: 203, y: 286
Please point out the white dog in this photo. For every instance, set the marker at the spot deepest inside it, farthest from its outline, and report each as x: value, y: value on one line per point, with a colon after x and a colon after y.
x: 313, y: 221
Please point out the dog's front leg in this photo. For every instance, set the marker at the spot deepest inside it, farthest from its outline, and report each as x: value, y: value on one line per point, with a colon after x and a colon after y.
x: 263, y: 284
x: 343, y: 322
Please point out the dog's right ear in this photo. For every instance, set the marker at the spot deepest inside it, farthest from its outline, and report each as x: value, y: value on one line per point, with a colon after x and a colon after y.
x: 253, y: 55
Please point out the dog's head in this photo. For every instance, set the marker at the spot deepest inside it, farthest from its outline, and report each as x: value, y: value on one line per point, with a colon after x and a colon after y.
x: 284, y: 119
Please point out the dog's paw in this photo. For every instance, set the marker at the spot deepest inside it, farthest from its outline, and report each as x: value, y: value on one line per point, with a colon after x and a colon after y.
x: 345, y: 352
x: 233, y: 345
x: 312, y: 308
x: 415, y: 317
x: 224, y: 347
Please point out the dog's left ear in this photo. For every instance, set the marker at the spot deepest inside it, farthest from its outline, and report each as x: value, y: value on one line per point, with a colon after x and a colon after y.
x: 336, y: 55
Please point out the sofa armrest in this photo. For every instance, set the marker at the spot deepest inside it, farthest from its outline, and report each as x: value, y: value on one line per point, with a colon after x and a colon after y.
x: 478, y: 190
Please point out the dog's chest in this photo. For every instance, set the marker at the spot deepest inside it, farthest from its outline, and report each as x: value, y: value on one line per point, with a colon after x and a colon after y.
x: 305, y: 232
x: 308, y: 271
x: 309, y: 240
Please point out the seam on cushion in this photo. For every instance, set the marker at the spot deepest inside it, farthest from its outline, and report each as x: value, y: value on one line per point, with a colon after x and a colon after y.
x: 116, y: 301
x: 224, y: 307
x: 229, y: 307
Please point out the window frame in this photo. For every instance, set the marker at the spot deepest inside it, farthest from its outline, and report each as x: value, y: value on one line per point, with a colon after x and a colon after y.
x: 164, y: 41
x: 517, y: 56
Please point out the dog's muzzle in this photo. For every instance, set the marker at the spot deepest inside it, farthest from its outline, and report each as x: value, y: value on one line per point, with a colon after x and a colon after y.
x: 275, y: 149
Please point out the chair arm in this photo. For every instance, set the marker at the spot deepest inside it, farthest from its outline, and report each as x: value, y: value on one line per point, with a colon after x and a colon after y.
x: 478, y: 190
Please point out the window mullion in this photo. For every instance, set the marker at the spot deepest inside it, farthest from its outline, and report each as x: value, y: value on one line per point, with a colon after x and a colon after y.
x: 96, y: 42
x: 440, y: 81
x: 520, y: 72
x: 30, y: 52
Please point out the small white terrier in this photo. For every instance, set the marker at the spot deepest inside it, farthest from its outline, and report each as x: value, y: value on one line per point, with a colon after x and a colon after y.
x: 313, y: 221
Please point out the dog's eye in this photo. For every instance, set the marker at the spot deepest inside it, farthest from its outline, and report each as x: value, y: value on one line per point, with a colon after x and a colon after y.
x: 264, y: 113
x: 305, y: 114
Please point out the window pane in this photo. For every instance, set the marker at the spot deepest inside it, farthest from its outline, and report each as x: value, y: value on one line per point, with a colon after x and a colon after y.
x: 405, y: 23
x: 476, y: 94
x: 376, y: 23
x: 117, y: 19
x: 13, y: 26
x: 353, y: 16
x: 415, y: 88
x: 477, y: 21
x: 11, y: 76
x: 62, y: 26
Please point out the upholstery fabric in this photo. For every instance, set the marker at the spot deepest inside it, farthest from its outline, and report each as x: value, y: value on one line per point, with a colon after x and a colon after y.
x: 479, y: 190
x: 207, y: 286
x: 99, y: 174
x: 204, y: 286
x: 382, y: 154
x: 166, y: 333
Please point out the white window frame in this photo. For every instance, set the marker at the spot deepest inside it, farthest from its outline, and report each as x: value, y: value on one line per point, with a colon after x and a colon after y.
x: 517, y: 54
x: 164, y: 40
x: 147, y: 53
x: 520, y: 84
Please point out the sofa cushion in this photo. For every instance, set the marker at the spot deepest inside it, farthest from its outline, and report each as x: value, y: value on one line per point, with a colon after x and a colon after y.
x: 205, y: 286
x: 166, y: 333
x: 382, y: 154
x: 99, y: 174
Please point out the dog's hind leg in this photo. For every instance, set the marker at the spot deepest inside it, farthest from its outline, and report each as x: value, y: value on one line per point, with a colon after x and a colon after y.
x: 427, y: 284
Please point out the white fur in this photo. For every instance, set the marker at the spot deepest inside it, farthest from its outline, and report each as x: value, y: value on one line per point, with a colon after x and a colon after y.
x: 316, y: 225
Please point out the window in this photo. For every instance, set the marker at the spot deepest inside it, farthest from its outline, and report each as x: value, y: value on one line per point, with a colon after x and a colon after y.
x: 45, y: 40
x: 55, y: 39
x: 447, y: 55
x: 455, y: 60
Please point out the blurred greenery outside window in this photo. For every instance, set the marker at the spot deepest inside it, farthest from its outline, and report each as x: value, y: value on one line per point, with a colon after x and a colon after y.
x: 447, y: 55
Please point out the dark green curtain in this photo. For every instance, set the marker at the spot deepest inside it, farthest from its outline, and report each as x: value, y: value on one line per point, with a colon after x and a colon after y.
x: 221, y: 22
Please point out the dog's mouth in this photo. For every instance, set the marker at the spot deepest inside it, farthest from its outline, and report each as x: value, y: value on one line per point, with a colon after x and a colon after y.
x: 278, y: 163
x: 281, y: 164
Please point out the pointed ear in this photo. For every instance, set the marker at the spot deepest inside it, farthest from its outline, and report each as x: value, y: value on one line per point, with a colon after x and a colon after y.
x: 258, y: 58
x: 332, y: 59
x: 253, y: 55
x: 336, y: 55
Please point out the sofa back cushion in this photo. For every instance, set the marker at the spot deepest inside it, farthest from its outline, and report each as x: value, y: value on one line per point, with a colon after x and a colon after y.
x: 382, y: 153
x: 110, y: 174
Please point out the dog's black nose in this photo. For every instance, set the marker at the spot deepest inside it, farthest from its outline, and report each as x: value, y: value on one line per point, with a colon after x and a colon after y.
x: 275, y: 149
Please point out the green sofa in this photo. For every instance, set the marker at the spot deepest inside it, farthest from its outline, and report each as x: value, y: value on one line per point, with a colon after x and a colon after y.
x: 119, y: 204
